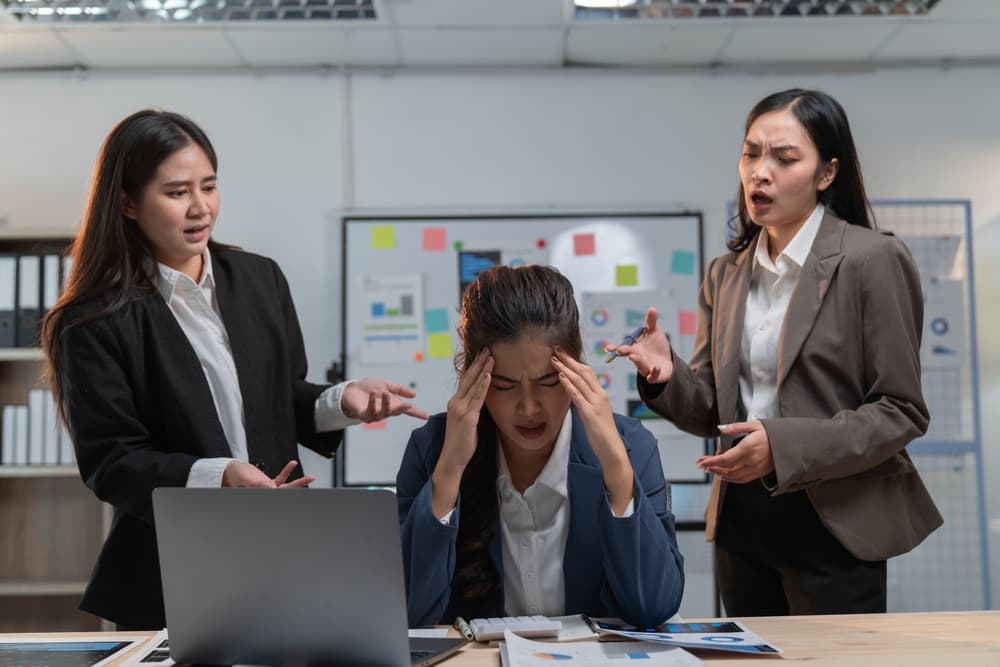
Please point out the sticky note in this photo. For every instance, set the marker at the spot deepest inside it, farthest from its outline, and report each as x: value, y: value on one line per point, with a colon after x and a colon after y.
x: 436, y: 319
x: 631, y: 382
x: 626, y: 275
x: 375, y: 426
x: 383, y: 237
x: 682, y: 261
x: 687, y: 323
x: 439, y: 346
x: 583, y: 244
x: 434, y: 239
x: 378, y: 309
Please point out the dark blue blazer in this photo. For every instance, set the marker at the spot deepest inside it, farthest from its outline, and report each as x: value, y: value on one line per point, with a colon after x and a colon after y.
x: 628, y: 568
x: 140, y: 412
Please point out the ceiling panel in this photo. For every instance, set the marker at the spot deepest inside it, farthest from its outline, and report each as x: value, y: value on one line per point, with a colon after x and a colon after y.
x: 645, y: 44
x: 150, y: 46
x: 486, y: 13
x: 485, y: 47
x: 22, y: 48
x: 803, y: 40
x: 305, y: 46
x: 944, y: 40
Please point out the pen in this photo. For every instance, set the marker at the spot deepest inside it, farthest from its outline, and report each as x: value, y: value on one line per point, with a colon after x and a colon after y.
x: 462, y: 626
x: 628, y: 340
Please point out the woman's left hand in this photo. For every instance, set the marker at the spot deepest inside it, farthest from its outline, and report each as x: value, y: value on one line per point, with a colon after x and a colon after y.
x: 580, y: 382
x: 375, y: 399
x: 747, y: 460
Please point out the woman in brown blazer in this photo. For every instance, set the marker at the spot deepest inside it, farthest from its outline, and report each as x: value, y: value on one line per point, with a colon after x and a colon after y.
x: 807, y: 368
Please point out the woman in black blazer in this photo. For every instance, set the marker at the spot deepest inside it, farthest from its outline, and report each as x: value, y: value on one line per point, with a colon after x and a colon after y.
x: 178, y: 361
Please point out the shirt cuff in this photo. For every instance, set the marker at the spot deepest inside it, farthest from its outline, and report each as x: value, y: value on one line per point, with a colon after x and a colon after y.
x: 446, y: 519
x: 329, y: 413
x: 629, y: 509
x: 207, y: 473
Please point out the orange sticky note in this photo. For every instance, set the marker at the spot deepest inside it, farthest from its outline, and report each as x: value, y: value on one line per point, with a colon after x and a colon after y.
x: 434, y: 239
x: 687, y: 323
x: 583, y: 244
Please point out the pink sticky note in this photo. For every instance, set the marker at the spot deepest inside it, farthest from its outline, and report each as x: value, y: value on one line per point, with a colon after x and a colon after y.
x: 583, y: 244
x: 375, y: 426
x: 687, y: 323
x: 434, y: 238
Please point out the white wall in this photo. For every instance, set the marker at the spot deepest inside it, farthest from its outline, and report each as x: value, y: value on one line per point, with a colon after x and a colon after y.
x: 505, y: 140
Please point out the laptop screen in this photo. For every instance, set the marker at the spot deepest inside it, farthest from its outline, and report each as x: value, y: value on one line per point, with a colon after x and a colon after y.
x: 287, y: 576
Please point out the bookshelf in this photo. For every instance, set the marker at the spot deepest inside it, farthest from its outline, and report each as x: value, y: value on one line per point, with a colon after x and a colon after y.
x: 53, y: 525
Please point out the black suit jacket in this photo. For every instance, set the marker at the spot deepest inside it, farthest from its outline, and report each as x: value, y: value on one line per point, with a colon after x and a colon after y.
x: 141, y: 413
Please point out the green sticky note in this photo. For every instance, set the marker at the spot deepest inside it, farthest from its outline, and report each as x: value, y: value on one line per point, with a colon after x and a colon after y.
x: 626, y: 275
x: 436, y: 320
x: 383, y: 237
x: 439, y: 346
x: 682, y: 262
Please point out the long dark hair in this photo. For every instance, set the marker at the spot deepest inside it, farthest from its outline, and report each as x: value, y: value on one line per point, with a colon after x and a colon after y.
x: 826, y: 123
x: 110, y: 253
x: 501, y: 305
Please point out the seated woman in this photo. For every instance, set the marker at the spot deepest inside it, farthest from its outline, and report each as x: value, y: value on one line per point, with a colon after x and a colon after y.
x: 529, y: 496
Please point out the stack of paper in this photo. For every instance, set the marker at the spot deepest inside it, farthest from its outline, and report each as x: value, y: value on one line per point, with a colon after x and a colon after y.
x: 519, y: 652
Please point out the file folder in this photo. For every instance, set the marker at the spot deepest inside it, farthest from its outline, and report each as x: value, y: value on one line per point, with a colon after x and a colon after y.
x: 8, y: 300
x: 29, y: 289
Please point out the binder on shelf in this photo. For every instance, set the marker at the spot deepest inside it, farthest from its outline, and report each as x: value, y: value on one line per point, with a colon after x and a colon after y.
x: 29, y: 289
x: 20, y: 435
x: 36, y: 417
x: 51, y: 286
x: 7, y: 444
x: 67, y: 456
x: 51, y: 431
x: 67, y: 266
x: 8, y: 300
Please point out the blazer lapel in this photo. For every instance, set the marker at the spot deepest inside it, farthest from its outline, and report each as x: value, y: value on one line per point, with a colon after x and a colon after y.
x: 731, y: 304
x: 239, y: 319
x: 585, y: 484
x: 814, y: 281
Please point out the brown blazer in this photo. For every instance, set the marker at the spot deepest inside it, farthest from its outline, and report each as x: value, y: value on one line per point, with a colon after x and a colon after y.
x: 848, y: 386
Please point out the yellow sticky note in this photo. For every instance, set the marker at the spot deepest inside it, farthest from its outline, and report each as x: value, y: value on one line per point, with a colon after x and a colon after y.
x: 383, y: 237
x: 439, y: 346
x: 626, y: 275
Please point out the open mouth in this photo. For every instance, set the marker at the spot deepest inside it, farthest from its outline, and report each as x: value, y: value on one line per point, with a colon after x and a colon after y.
x: 760, y: 199
x: 197, y: 230
x: 532, y: 431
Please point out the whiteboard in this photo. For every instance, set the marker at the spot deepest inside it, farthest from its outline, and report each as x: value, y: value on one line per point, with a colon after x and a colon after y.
x: 402, y: 283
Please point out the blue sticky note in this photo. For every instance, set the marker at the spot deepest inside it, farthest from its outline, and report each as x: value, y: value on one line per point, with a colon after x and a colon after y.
x: 378, y: 309
x: 436, y: 320
x: 682, y: 261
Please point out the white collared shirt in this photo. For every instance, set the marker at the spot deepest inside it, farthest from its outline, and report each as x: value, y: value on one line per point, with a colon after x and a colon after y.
x: 196, y: 308
x: 534, y: 527
x: 771, y: 287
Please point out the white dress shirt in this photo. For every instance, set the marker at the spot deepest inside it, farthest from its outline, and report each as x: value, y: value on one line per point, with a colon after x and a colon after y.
x: 534, y: 527
x: 771, y: 288
x: 196, y: 308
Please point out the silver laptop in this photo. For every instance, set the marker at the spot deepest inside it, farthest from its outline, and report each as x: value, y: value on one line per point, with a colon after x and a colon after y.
x: 286, y: 577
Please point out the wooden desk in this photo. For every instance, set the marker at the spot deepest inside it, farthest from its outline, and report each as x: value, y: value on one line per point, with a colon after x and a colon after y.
x: 938, y: 639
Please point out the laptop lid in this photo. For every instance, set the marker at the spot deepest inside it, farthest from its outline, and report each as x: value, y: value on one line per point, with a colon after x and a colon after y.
x: 282, y: 577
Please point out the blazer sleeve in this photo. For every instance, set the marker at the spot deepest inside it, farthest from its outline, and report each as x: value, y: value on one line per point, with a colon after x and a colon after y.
x: 644, y: 569
x: 304, y: 393
x: 807, y: 451
x: 428, y: 545
x: 688, y: 399
x: 115, y: 452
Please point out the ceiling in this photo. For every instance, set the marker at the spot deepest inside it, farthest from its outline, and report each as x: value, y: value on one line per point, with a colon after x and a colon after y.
x: 510, y: 33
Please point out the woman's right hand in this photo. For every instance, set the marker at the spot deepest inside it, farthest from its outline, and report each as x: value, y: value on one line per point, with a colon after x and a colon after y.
x: 460, y: 432
x: 651, y: 354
